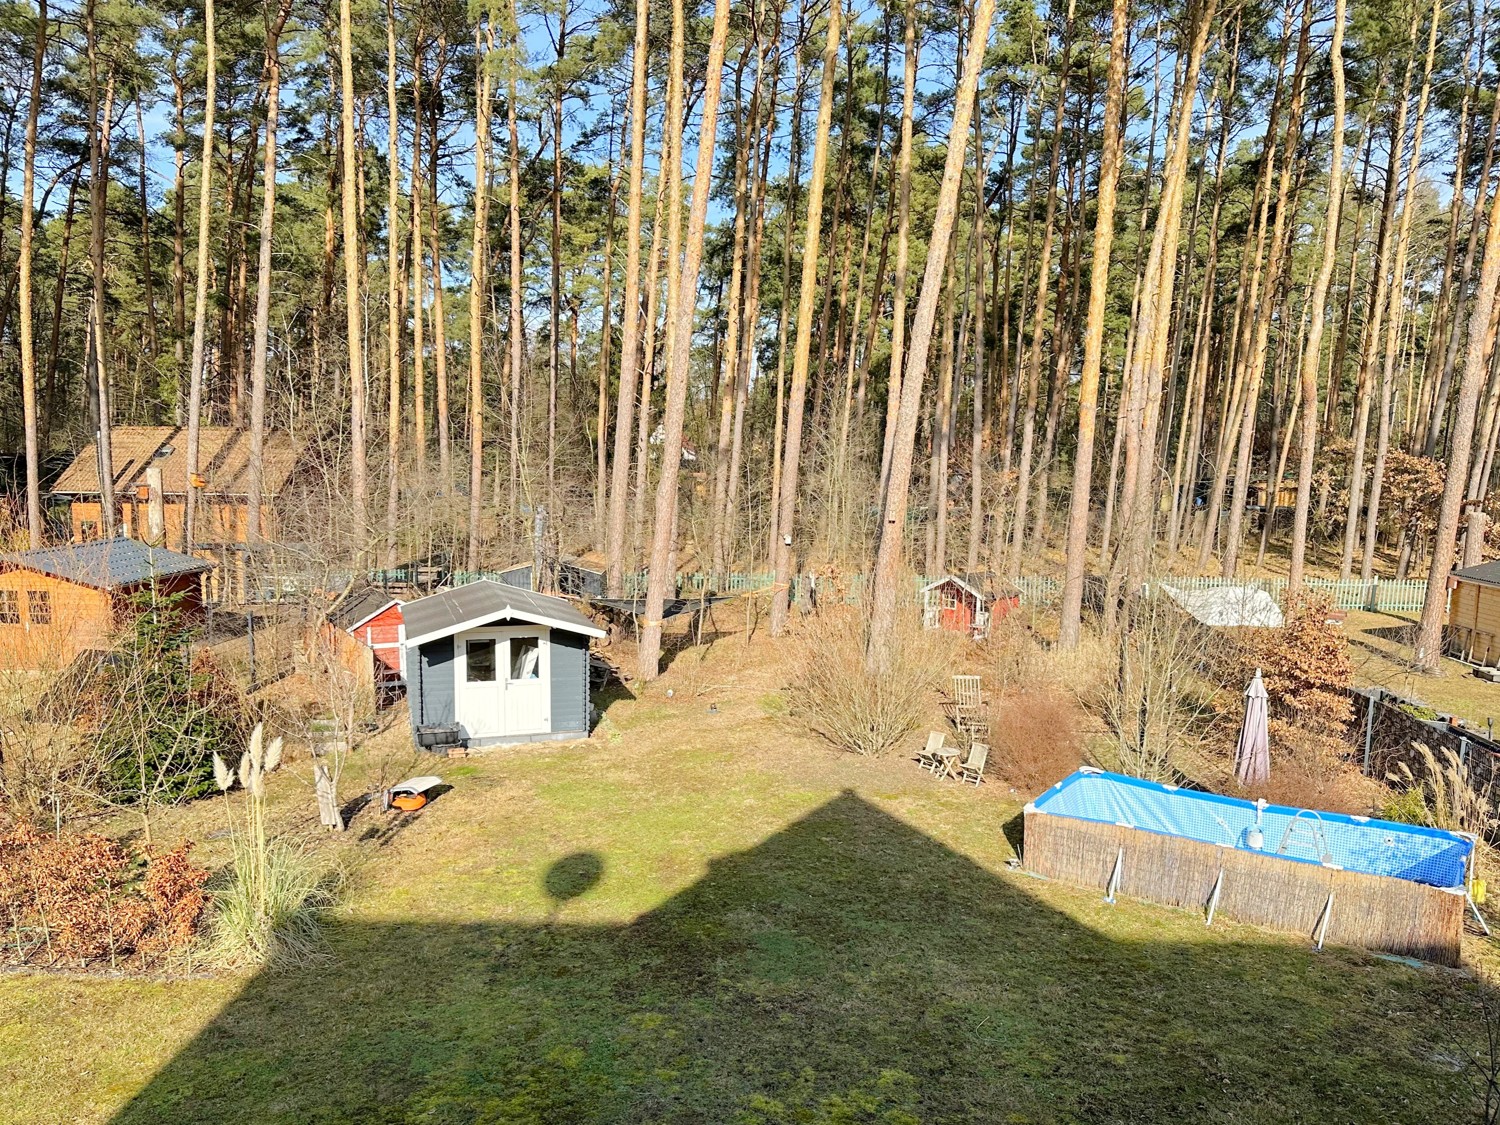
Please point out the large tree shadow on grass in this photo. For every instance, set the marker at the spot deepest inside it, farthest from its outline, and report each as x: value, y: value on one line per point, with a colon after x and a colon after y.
x: 847, y: 969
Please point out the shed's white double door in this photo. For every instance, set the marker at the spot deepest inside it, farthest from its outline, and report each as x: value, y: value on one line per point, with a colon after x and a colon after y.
x: 502, y: 680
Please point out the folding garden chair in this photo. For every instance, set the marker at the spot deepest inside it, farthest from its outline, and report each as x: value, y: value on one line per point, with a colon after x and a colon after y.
x: 972, y: 767
x: 930, y: 757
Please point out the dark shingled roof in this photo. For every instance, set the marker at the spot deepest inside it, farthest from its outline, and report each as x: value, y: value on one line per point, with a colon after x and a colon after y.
x: 450, y: 611
x: 1486, y: 574
x: 106, y: 564
x: 360, y: 606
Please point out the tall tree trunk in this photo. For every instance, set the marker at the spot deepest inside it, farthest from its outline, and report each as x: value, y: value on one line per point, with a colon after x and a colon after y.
x: 255, y: 487
x: 606, y: 344
x: 1275, y: 271
x: 1429, y: 643
x: 393, y: 290
x: 630, y: 320
x: 98, y: 138
x: 349, y: 189
x: 1031, y: 371
x: 1379, y: 287
x: 478, y: 259
x: 418, y: 239
x: 441, y: 420
x: 751, y: 314
x: 59, y: 290
x: 903, y: 246
x: 179, y: 228
x: 648, y: 358
x: 1312, y: 348
x: 553, y: 359
x: 30, y: 420
x: 515, y: 337
x: 976, y: 421
x: 888, y: 561
x: 1394, y: 314
x: 802, y: 356
x: 200, y: 279
x: 1106, y: 192
x: 1149, y: 360
x: 1456, y: 337
x: 148, y: 273
x: 728, y: 377
x: 662, y: 580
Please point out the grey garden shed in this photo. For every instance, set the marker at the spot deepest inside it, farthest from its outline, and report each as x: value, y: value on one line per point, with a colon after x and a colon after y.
x: 503, y: 664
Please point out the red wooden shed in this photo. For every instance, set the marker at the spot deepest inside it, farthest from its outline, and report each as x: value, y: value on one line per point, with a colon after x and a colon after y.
x: 367, y: 635
x: 381, y: 632
x: 965, y: 604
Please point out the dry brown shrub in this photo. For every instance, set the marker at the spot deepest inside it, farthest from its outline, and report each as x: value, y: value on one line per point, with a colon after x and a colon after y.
x: 868, y: 711
x: 1157, y: 706
x: 1019, y: 661
x: 1036, y: 738
x: 1309, y: 770
x: 1307, y: 672
x: 77, y: 897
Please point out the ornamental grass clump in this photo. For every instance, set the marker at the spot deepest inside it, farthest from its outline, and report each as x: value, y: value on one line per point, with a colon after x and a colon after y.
x: 1446, y: 793
x: 269, y: 910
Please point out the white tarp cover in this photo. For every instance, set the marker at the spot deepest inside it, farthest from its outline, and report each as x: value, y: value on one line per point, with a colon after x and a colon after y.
x: 1228, y: 606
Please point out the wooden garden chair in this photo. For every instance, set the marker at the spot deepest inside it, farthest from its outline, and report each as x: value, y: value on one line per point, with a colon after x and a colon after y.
x: 968, y: 709
x: 972, y: 767
x: 968, y: 693
x: 930, y: 757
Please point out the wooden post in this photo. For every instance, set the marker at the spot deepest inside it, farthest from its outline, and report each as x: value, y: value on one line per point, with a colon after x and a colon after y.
x: 156, y: 511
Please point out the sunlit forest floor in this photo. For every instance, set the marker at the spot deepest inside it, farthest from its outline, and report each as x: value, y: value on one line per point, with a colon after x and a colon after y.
x: 702, y: 915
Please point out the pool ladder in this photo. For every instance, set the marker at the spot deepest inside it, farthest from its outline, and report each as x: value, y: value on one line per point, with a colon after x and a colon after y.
x: 1317, y: 837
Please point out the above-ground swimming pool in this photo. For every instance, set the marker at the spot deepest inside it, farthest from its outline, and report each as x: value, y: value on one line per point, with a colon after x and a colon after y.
x: 1354, y: 880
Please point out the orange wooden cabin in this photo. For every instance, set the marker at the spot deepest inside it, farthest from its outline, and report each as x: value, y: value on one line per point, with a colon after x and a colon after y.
x: 150, y: 469
x: 58, y: 602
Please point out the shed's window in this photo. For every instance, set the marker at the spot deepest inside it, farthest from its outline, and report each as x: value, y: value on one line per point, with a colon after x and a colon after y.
x: 525, y: 658
x: 39, y: 606
x: 10, y: 607
x: 950, y: 598
x: 479, y: 662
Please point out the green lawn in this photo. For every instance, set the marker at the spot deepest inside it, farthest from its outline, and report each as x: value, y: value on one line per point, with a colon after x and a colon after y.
x: 1380, y: 650
x: 705, y: 918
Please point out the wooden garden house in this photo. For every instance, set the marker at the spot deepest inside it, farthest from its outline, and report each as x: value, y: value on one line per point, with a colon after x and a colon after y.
x: 965, y: 604
x: 500, y: 664
x: 58, y: 602
x: 151, y: 482
x: 1473, y: 629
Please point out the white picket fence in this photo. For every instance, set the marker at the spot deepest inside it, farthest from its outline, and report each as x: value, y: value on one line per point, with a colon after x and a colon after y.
x: 1387, y: 594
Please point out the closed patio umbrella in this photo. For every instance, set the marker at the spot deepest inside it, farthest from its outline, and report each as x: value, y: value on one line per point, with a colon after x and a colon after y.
x: 1252, y: 757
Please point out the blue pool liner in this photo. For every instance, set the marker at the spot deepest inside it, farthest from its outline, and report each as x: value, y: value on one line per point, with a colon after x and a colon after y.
x: 1430, y: 856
